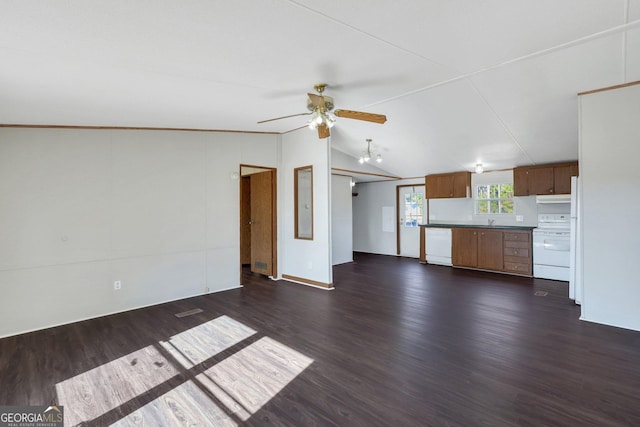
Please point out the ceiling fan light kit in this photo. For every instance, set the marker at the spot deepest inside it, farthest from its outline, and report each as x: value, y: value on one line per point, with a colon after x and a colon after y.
x: 318, y: 118
x: 322, y: 118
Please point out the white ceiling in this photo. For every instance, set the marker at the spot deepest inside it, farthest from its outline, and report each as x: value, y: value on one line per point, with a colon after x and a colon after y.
x: 461, y: 82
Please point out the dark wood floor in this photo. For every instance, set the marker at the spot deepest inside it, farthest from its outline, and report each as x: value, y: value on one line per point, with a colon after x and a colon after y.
x: 395, y: 344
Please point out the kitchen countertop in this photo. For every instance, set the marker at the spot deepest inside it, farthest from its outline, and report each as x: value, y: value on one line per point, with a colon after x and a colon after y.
x: 495, y: 227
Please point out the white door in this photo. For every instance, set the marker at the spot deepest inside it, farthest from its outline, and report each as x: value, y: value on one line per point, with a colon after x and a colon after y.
x: 411, y: 211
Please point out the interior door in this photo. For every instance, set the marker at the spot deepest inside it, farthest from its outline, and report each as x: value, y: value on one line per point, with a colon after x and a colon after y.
x: 245, y: 220
x: 262, y: 222
x: 411, y: 210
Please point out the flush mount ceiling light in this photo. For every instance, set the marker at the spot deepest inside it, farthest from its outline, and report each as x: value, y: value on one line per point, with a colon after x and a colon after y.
x: 479, y: 168
x: 368, y: 155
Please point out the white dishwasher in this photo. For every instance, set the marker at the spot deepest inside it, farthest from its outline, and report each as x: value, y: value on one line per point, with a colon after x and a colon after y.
x: 438, y: 245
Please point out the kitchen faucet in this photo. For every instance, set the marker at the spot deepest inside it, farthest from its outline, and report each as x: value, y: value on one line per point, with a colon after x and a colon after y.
x: 491, y: 221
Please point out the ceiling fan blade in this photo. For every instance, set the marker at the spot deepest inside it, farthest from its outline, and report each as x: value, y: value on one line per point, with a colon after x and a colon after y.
x: 284, y: 117
x: 323, y: 131
x: 317, y: 100
x: 358, y: 115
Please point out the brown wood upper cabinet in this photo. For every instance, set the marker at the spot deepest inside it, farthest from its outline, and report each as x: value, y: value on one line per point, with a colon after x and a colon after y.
x: 448, y: 185
x: 544, y: 179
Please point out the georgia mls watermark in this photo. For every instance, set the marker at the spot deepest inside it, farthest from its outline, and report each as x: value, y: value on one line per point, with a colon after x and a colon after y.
x: 31, y: 416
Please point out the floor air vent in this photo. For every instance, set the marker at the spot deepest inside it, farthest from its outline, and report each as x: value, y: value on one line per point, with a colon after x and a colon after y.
x: 541, y: 293
x: 189, y: 312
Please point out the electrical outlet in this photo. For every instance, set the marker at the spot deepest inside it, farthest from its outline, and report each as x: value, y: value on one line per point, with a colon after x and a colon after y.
x: 117, y: 285
x: 519, y: 218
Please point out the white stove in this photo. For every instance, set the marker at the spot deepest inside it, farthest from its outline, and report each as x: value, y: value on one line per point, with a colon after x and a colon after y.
x: 551, y: 244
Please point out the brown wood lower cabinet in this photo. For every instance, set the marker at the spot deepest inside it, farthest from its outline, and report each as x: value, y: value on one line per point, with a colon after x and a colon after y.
x: 490, y: 250
x: 495, y: 250
x: 464, y: 249
x: 517, y: 252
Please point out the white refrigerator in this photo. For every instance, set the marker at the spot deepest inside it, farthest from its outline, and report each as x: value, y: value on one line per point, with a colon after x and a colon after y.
x: 575, y: 246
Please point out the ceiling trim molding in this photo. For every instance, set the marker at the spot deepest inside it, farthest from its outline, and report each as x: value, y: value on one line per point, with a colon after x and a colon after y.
x: 609, y: 88
x: 25, y: 126
x: 365, y: 173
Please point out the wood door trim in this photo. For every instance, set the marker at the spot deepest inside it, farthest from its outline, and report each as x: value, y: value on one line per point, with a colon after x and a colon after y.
x: 274, y: 209
x: 274, y: 220
x: 308, y: 281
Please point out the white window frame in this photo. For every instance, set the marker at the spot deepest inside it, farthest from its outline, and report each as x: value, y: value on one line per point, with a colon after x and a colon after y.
x: 477, y: 200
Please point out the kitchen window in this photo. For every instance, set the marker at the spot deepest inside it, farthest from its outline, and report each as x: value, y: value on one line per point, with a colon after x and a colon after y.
x: 492, y: 199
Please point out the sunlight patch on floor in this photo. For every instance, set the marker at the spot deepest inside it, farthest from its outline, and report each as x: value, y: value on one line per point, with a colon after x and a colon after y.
x: 204, y: 341
x: 247, y: 380
x: 185, y: 405
x: 224, y: 394
x: 104, y: 388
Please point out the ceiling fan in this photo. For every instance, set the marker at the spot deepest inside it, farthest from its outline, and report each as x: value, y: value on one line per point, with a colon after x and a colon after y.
x: 322, y: 115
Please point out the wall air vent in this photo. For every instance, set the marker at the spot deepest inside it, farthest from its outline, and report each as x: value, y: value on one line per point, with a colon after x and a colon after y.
x: 189, y: 312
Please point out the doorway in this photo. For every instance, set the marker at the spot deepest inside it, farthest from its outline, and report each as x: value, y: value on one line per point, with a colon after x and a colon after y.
x: 410, y: 210
x: 258, y: 219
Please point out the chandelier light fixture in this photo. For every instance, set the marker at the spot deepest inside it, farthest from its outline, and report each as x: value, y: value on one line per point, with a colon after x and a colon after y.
x: 368, y: 155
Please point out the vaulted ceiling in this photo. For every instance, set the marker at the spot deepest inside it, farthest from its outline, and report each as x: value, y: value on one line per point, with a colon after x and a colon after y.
x: 461, y: 82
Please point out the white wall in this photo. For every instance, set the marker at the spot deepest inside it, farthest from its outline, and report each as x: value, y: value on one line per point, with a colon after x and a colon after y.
x: 368, y: 235
x: 341, y: 220
x: 306, y: 259
x: 345, y: 161
x: 82, y: 208
x: 610, y: 191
